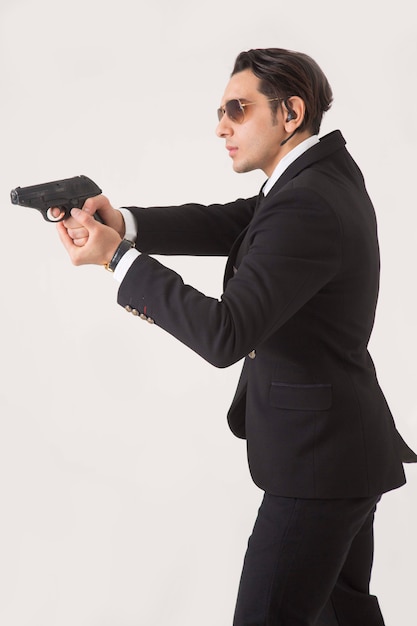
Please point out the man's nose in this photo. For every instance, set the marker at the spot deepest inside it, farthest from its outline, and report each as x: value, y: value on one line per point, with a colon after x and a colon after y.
x: 224, y: 128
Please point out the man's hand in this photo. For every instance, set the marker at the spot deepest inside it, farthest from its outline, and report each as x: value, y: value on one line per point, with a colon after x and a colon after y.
x: 110, y: 216
x: 99, y: 241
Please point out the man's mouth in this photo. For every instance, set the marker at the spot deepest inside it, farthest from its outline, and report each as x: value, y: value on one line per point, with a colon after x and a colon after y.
x: 232, y: 150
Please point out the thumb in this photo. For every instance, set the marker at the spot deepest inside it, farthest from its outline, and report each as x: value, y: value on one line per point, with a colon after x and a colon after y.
x: 83, y: 218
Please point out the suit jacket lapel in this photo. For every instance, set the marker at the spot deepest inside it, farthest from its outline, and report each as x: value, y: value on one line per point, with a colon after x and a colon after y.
x: 329, y: 144
x: 230, y: 270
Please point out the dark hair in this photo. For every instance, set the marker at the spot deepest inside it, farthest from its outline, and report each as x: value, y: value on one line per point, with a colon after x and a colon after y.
x: 285, y: 73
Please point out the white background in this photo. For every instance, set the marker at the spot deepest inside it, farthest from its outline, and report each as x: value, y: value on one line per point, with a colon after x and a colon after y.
x: 125, y: 501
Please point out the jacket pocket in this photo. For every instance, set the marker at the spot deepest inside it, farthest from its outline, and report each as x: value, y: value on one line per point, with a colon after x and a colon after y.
x: 300, y: 397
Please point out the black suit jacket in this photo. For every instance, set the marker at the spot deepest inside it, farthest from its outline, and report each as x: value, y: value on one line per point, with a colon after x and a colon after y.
x: 299, y: 298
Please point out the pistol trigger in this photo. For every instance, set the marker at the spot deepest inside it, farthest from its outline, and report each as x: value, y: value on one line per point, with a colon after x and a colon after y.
x: 56, y: 218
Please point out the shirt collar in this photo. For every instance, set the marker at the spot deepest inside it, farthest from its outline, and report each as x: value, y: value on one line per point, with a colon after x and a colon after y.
x: 287, y: 160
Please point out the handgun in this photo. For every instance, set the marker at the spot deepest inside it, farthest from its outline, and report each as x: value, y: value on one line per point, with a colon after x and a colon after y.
x: 64, y: 194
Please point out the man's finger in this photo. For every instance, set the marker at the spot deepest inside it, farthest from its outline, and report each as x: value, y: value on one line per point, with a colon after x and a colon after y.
x: 83, y: 217
x: 64, y: 237
x: 80, y: 242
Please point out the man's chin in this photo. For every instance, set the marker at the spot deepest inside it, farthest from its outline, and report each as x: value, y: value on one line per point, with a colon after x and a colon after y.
x: 242, y: 168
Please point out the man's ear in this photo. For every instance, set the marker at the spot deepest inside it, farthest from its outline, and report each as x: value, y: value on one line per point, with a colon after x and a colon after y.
x: 293, y: 111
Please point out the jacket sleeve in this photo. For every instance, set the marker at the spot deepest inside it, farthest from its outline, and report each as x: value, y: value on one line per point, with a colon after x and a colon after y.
x: 294, y: 249
x: 191, y: 229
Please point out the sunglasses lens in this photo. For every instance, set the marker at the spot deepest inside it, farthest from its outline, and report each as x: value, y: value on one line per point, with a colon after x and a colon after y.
x: 234, y: 111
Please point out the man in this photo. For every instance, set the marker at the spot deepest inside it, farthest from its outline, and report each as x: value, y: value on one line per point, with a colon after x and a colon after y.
x: 299, y: 300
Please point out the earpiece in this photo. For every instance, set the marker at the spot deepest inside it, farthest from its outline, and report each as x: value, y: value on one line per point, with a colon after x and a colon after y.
x: 291, y: 113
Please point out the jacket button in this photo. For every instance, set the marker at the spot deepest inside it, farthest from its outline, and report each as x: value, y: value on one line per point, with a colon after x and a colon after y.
x: 128, y: 308
x: 142, y: 316
x: 252, y: 354
x: 150, y: 320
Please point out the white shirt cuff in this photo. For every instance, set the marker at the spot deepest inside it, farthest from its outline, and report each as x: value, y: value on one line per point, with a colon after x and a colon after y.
x: 130, y: 225
x: 124, y: 264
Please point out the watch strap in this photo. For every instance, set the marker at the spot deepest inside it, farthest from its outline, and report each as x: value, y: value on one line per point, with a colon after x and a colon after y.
x: 121, y: 250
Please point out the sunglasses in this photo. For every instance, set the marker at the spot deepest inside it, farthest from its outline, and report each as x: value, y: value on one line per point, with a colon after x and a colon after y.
x: 235, y: 109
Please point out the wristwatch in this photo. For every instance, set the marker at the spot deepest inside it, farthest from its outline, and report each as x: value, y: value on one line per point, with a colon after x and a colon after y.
x: 121, y: 250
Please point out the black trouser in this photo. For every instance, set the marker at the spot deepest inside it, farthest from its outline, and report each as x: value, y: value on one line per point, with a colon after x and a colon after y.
x: 309, y: 563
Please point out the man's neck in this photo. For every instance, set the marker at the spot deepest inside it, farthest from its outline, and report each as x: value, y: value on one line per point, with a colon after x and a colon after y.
x: 290, y: 155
